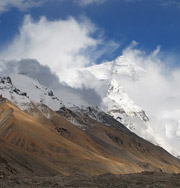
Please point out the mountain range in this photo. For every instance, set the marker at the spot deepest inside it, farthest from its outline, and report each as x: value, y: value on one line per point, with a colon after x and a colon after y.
x: 44, y: 135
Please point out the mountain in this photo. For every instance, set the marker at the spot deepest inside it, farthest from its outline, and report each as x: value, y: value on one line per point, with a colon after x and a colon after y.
x: 108, y: 87
x: 109, y: 81
x: 40, y: 136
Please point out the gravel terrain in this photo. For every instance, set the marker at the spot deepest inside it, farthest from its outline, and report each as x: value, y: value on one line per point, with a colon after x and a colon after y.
x: 142, y: 180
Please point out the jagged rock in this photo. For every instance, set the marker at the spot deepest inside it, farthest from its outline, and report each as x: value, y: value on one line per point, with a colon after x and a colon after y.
x: 50, y: 93
x: 9, y: 80
x: 19, y: 92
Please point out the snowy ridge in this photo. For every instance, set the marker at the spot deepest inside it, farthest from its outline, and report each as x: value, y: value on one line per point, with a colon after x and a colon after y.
x: 36, y: 91
x: 28, y: 93
x: 119, y: 96
x: 9, y: 91
x: 78, y: 115
x: 24, y: 91
x: 83, y: 117
x: 120, y: 105
x: 92, y: 111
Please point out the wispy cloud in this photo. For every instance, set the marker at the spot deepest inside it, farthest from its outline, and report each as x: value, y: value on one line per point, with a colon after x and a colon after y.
x: 23, y: 5
x: 88, y: 2
x: 157, y: 92
x: 174, y: 3
x: 6, y: 5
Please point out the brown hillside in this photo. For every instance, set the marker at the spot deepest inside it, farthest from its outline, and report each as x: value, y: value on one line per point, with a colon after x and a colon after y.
x: 48, y: 145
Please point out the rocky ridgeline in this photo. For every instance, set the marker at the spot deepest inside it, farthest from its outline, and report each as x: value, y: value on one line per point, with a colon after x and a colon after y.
x: 23, y: 91
x: 6, y: 83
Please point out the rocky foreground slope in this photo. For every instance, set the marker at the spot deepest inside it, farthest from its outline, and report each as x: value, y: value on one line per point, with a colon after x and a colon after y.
x: 55, y: 146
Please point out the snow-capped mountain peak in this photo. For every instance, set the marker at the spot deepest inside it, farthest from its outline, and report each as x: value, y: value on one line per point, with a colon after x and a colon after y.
x: 117, y: 93
x: 120, y: 106
x: 15, y: 95
x: 125, y: 69
x: 23, y: 91
x: 110, y: 80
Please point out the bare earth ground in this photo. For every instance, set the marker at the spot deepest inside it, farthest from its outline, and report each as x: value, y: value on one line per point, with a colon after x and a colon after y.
x: 141, y: 180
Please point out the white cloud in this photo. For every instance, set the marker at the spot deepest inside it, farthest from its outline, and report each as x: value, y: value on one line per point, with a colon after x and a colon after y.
x: 23, y: 5
x: 5, y: 5
x: 174, y: 3
x: 87, y: 2
x: 158, y: 93
x: 63, y: 45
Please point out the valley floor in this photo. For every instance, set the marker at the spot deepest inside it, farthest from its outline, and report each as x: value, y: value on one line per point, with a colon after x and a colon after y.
x: 141, y: 180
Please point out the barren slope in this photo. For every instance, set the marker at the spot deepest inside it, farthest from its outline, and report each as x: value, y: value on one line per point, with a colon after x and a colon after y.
x: 55, y: 146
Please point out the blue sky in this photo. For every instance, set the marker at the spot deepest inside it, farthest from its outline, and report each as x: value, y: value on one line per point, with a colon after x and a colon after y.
x: 150, y: 23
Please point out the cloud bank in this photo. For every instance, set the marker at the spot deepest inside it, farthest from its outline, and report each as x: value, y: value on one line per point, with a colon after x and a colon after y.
x: 157, y: 91
x: 63, y: 45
